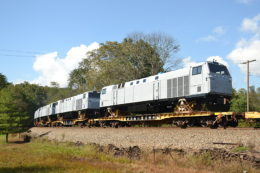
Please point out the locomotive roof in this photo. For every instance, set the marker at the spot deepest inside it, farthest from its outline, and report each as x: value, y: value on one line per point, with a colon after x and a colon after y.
x: 174, y: 73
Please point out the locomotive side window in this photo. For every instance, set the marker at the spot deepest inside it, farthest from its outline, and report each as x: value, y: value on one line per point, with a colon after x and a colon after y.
x: 144, y: 80
x: 104, y: 91
x: 196, y: 70
x: 131, y: 83
x: 156, y: 77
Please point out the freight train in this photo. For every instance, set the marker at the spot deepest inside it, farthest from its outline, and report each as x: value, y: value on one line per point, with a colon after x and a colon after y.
x: 195, y: 95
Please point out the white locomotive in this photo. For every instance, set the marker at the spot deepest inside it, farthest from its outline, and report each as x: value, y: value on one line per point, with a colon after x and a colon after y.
x: 85, y: 103
x: 206, y: 84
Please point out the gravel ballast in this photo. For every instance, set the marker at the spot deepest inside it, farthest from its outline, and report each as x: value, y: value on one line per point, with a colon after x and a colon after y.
x: 154, y: 137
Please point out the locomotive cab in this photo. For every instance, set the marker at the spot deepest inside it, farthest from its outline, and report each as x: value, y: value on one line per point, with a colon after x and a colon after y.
x: 219, y: 79
x: 211, y: 83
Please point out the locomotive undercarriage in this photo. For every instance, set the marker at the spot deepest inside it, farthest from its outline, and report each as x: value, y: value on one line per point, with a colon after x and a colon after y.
x: 188, y: 104
x: 208, y: 103
x: 146, y: 114
x: 68, y: 119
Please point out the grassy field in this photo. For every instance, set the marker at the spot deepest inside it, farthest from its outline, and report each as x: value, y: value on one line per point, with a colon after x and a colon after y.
x: 49, y: 156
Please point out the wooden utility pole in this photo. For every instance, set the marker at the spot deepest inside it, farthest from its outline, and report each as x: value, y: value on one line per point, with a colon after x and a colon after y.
x: 247, y: 81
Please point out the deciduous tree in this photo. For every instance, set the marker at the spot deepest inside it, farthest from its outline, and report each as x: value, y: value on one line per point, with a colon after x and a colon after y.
x: 238, y: 102
x: 165, y: 45
x: 116, y: 62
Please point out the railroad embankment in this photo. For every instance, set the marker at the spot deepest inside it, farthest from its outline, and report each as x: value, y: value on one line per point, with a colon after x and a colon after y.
x: 238, y: 145
x: 148, y: 138
x: 43, y: 155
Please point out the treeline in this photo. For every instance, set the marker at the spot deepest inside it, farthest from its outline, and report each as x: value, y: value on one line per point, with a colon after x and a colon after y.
x: 19, y: 102
x: 239, y: 104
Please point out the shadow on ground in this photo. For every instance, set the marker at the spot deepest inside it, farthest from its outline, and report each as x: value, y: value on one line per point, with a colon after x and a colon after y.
x: 44, y: 134
x: 22, y: 169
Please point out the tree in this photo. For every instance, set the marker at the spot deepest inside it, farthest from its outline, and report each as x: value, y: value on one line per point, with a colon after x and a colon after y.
x: 77, y: 79
x: 164, y: 45
x: 238, y: 102
x: 17, y: 106
x: 116, y: 62
x: 254, y: 99
x: 55, y: 84
x: 13, y: 116
x: 53, y: 94
x: 3, y: 81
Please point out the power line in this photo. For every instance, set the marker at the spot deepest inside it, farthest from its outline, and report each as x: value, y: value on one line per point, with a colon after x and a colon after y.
x: 21, y: 51
x: 29, y: 56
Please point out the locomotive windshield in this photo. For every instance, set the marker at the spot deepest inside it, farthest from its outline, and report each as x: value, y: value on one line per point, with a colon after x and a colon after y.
x: 94, y: 95
x: 218, y: 69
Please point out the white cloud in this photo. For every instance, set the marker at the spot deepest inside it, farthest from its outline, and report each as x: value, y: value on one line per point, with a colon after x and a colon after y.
x: 208, y: 38
x: 187, y: 62
x: 219, y: 30
x: 245, y: 1
x: 53, y: 68
x: 216, y: 33
x: 218, y: 59
x: 248, y: 49
x: 251, y: 25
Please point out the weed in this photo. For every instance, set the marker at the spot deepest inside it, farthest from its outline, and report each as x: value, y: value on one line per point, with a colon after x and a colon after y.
x: 201, y: 161
x: 241, y: 149
x: 245, y: 123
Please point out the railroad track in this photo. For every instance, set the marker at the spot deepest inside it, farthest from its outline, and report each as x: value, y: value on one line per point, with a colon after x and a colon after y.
x: 189, y: 128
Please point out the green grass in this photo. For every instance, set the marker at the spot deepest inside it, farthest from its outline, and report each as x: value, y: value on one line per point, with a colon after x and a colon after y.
x: 44, y: 156
x: 2, y: 139
x: 244, y: 124
x: 241, y: 149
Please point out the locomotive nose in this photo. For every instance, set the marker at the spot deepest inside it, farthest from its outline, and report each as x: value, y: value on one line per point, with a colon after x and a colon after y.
x: 220, y: 84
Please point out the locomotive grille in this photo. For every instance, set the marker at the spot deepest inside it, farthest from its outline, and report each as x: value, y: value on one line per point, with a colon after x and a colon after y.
x: 186, y: 85
x: 79, y: 104
x: 169, y: 88
x: 174, y: 87
x: 178, y: 87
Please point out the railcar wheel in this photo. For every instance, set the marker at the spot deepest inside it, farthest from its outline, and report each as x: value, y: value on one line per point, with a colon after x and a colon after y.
x: 181, y: 123
x: 233, y: 123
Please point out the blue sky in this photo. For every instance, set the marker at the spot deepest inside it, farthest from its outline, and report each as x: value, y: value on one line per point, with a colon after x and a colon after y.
x: 229, y: 29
